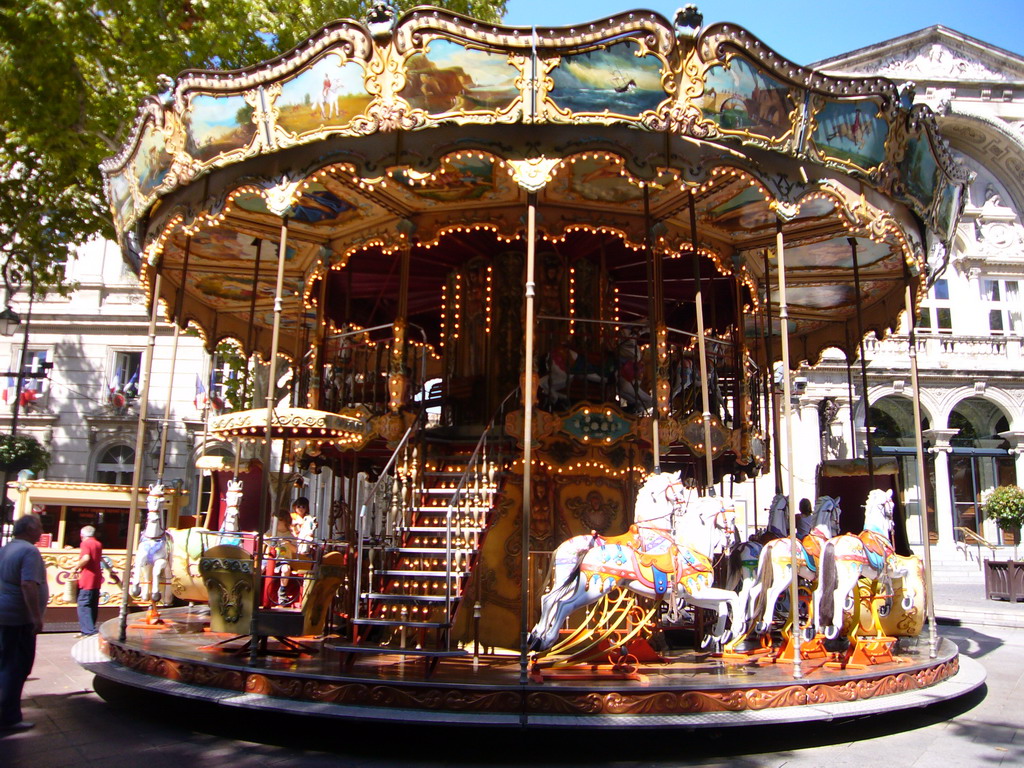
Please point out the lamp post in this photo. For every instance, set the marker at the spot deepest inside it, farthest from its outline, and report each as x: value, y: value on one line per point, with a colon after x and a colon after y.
x: 14, y: 278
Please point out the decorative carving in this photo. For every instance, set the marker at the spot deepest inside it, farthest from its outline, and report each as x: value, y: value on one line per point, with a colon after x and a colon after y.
x: 934, y: 62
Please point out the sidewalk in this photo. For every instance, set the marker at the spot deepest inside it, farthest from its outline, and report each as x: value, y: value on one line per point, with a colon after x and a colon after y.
x: 965, y: 604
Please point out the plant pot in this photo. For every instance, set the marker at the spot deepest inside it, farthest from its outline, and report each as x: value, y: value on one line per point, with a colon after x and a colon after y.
x: 1004, y: 580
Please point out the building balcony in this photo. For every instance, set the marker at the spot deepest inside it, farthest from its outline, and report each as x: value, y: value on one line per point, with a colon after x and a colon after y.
x: 948, y: 351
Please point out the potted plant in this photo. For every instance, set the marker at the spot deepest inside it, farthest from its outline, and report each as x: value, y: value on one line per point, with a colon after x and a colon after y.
x: 18, y: 452
x: 1005, y: 579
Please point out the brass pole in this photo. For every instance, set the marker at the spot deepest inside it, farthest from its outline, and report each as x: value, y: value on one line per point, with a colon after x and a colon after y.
x: 709, y: 479
x: 528, y: 397
x: 787, y: 405
x: 140, y: 439
x: 922, y: 479
x: 267, y: 448
x: 863, y: 362
x: 654, y: 307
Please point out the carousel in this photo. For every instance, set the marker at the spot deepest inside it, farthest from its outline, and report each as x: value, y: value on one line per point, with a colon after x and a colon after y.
x: 525, y: 302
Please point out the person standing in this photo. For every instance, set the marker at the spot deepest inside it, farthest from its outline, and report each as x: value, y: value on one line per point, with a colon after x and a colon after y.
x: 90, y: 577
x: 23, y: 597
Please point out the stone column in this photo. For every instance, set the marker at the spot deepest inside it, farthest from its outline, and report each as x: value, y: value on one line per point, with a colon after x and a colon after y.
x: 807, y: 439
x: 939, y: 438
x: 841, y: 429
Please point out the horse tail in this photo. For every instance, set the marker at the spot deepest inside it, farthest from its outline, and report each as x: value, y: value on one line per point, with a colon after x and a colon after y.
x: 764, y: 577
x: 827, y: 583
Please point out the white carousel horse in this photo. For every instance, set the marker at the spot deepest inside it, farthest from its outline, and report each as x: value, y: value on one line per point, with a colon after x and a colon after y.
x: 846, y: 559
x: 629, y: 375
x: 658, y: 500
x: 231, y: 523
x: 683, y: 571
x: 775, y: 565
x: 305, y: 531
x: 741, y: 575
x: 153, y: 555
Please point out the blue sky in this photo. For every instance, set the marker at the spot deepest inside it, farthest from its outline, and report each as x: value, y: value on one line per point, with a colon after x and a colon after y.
x: 807, y: 32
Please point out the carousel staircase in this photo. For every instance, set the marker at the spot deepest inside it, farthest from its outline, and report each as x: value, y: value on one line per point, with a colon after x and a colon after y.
x: 416, y: 575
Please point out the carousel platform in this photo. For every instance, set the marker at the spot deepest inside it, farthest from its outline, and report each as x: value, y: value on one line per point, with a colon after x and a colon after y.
x: 689, y: 690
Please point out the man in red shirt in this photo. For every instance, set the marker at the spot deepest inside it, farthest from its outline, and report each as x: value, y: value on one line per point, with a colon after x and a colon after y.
x: 90, y: 577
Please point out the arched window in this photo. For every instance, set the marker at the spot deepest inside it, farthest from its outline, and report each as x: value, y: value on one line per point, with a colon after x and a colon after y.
x: 116, y: 465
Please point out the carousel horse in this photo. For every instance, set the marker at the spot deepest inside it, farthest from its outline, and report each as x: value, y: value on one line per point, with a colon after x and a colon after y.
x: 231, y: 524
x: 305, y: 532
x: 565, y: 365
x: 153, y: 555
x: 775, y: 565
x: 742, y: 563
x: 657, y: 502
x: 629, y: 377
x: 848, y: 558
x: 683, y: 571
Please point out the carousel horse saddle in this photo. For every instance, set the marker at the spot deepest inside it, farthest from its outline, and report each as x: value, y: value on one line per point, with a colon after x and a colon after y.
x: 812, y: 548
x: 630, y: 538
x: 877, y: 548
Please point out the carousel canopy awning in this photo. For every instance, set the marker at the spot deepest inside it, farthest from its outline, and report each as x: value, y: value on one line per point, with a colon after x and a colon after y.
x: 432, y: 136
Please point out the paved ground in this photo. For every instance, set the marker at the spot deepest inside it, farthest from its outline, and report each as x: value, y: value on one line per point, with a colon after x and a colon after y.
x: 87, y: 722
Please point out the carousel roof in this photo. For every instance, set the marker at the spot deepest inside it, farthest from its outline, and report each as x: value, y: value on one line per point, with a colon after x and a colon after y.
x: 430, y: 132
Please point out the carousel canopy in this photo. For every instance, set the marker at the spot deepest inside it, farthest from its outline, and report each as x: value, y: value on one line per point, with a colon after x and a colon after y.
x: 429, y: 134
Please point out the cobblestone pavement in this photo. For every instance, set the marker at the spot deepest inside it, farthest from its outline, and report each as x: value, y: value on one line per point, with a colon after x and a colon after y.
x: 83, y: 721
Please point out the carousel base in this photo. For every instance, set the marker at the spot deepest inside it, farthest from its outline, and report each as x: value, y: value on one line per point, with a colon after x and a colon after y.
x: 690, y: 691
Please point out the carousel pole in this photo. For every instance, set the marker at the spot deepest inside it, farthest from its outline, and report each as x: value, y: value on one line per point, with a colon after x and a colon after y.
x: 657, y: 327
x: 178, y: 302
x: 863, y: 363
x: 922, y: 479
x: 268, y: 441
x: 698, y: 300
x: 528, y: 396
x: 140, y: 438
x: 247, y: 349
x: 849, y: 392
x: 787, y: 405
x: 770, y: 396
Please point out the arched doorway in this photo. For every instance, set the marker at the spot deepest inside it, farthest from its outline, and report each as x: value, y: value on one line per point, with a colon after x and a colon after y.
x: 980, y: 460
x: 893, y: 435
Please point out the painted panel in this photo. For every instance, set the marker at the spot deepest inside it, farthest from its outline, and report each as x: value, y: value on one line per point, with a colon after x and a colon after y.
x: 614, y: 80
x: 448, y: 77
x: 328, y: 94
x: 748, y: 210
x: 851, y: 131
x: 217, y: 124
x: 920, y: 171
x: 221, y: 290
x: 601, y: 181
x: 152, y: 160
x: 835, y: 254
x: 121, y: 196
x: 317, y: 205
x: 739, y: 97
x: 467, y: 178
x: 226, y: 246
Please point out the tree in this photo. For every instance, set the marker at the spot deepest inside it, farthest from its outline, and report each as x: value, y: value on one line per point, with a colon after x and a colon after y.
x: 72, y: 74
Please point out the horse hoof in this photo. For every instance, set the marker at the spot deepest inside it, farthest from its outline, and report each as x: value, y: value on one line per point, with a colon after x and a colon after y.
x: 907, y: 602
x: 831, y: 633
x: 809, y: 633
x: 135, y: 592
x: 707, y: 642
x: 761, y: 627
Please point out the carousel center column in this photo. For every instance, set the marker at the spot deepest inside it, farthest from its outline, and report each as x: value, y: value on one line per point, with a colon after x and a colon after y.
x: 941, y: 449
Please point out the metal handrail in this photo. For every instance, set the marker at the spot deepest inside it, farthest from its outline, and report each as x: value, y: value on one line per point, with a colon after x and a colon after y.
x: 371, y: 497
x: 453, y: 502
x: 971, y: 537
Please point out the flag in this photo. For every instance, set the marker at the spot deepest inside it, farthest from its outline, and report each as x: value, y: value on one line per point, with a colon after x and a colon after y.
x: 9, y: 390
x: 131, y: 389
x: 115, y: 382
x: 201, y: 398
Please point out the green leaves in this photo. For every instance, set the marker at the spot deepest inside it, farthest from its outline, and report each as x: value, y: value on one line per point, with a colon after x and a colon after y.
x: 1005, y: 505
x: 23, y: 452
x: 72, y: 73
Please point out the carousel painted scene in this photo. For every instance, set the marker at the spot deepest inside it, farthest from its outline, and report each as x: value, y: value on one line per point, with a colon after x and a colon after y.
x: 523, y: 305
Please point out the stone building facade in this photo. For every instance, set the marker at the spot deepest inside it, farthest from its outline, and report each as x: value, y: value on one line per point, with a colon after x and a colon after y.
x: 970, y: 329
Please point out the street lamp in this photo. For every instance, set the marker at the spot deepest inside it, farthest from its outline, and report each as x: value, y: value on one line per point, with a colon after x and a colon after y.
x: 9, y: 321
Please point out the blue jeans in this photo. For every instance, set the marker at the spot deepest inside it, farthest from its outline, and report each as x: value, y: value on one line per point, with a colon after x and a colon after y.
x: 88, y: 610
x: 17, y: 654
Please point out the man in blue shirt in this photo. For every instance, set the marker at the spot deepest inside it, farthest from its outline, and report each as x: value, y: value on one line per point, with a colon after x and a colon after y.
x: 23, y: 597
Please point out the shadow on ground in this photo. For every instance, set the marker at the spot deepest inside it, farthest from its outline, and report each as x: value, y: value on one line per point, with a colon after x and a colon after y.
x: 373, y: 743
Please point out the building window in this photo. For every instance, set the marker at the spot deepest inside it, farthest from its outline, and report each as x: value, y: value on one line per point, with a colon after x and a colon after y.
x: 1003, y: 304
x: 34, y: 384
x: 125, y: 372
x: 936, y: 314
x: 116, y: 465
